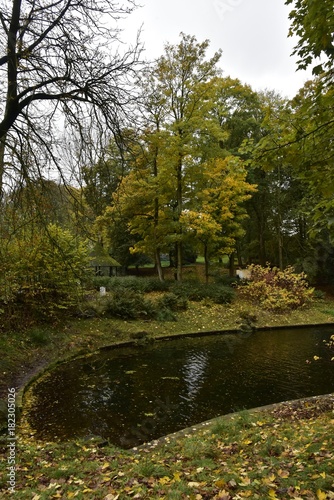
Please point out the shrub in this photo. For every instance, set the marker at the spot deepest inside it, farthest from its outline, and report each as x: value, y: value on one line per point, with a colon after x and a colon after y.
x: 319, y: 294
x: 137, y: 284
x: 39, y: 336
x: 129, y: 304
x: 197, y: 292
x: 225, y: 280
x: 165, y: 314
x: 115, y: 283
x: 41, y: 274
x: 98, y: 281
x: 276, y: 290
x: 173, y: 302
x: 220, y: 294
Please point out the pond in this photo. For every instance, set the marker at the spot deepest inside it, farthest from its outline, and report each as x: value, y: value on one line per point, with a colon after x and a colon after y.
x: 133, y: 395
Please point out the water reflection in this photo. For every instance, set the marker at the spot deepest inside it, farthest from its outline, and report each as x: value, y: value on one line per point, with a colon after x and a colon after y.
x: 130, y: 396
x: 194, y: 373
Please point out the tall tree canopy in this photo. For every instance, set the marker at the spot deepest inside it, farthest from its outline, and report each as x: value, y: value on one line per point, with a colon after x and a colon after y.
x: 184, y: 78
x: 58, y: 59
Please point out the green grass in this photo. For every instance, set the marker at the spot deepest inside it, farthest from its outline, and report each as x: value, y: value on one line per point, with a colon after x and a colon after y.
x: 283, y: 453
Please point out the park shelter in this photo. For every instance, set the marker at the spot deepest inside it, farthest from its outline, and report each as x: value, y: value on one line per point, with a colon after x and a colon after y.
x: 104, y: 264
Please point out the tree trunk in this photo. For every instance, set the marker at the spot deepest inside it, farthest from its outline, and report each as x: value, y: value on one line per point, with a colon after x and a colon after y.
x: 280, y: 249
x: 179, y: 261
x: 231, y: 264
x: 158, y: 264
x: 179, y: 212
x: 206, y: 263
x: 2, y: 164
x: 239, y: 256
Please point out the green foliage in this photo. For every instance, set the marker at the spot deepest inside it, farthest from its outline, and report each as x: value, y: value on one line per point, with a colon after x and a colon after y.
x: 313, y: 23
x: 129, y: 304
x: 225, y: 280
x: 220, y: 294
x: 165, y: 314
x: 41, y: 274
x: 276, y: 290
x: 197, y: 292
x: 173, y: 302
x: 319, y: 294
x: 39, y: 336
x: 143, y: 285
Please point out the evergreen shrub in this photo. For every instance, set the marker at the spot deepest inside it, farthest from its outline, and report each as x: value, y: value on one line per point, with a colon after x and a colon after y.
x: 197, y: 292
x: 129, y: 304
x: 173, y: 302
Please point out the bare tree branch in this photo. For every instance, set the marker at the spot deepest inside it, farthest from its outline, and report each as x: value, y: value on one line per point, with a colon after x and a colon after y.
x: 62, y: 57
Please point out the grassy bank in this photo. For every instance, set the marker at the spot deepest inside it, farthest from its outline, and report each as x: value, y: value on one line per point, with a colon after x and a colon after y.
x: 286, y: 453
x: 282, y: 453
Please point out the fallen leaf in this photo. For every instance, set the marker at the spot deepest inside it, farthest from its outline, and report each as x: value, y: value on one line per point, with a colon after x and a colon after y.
x: 220, y: 483
x: 245, y: 481
x: 164, y: 480
x: 193, y: 484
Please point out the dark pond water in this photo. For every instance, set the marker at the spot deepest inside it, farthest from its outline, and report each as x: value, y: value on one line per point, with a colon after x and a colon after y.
x: 131, y: 396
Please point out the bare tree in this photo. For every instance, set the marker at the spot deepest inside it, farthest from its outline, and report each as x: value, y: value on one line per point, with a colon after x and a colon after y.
x: 60, y: 66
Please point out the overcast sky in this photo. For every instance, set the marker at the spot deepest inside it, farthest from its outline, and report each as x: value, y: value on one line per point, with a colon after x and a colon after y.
x: 251, y: 33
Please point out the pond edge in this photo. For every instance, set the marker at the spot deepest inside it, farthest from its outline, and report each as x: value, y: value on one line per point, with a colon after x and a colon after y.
x: 135, y: 343
x: 228, y: 416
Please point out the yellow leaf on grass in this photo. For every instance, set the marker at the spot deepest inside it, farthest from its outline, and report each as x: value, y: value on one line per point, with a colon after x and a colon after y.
x: 220, y: 483
x: 321, y: 495
x: 247, y: 441
x: 164, y: 480
x: 283, y: 473
x: 272, y: 494
x: 245, y: 481
x: 268, y: 480
x: 177, y: 476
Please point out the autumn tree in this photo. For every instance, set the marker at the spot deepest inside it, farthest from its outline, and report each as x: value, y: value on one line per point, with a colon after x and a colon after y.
x: 217, y: 221
x: 184, y: 75
x: 60, y: 67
